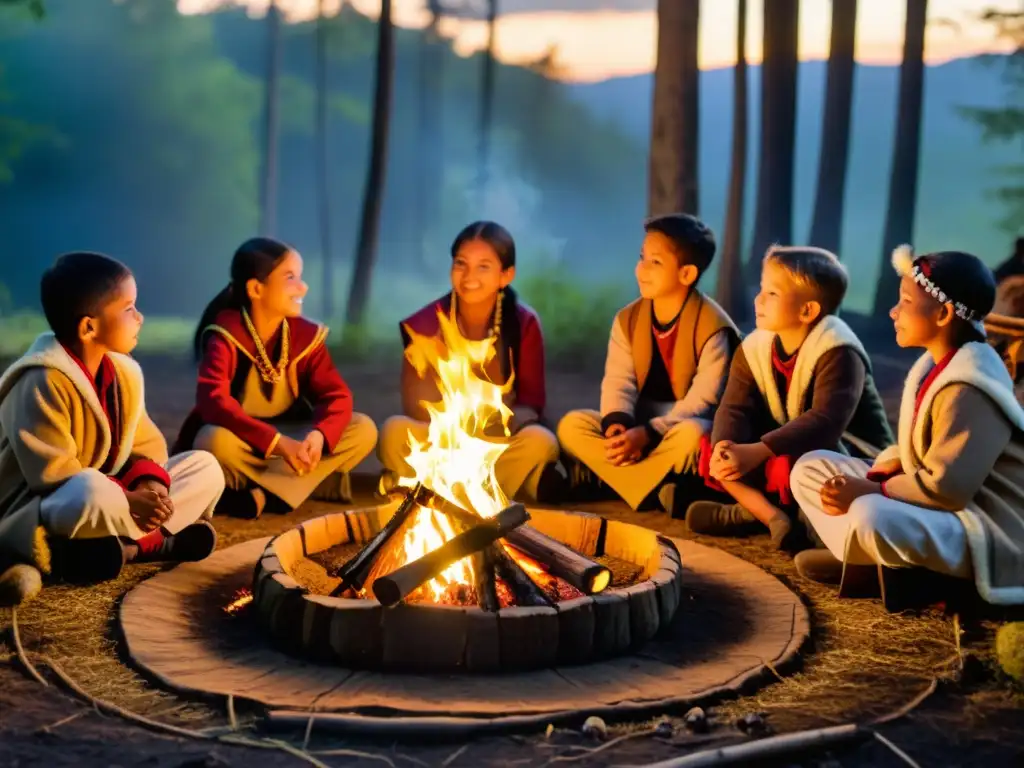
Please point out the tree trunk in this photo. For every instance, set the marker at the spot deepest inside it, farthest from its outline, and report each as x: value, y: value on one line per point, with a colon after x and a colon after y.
x: 899, y: 218
x: 487, y: 98
x: 827, y: 222
x: 430, y: 157
x: 731, y: 293
x: 675, y: 145
x: 271, y: 123
x: 373, y: 192
x: 774, y: 220
x: 322, y: 162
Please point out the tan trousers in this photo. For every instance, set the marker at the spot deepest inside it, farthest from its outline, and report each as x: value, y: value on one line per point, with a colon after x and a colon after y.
x: 242, y: 466
x: 518, y: 469
x: 877, y: 529
x: 90, y: 505
x: 580, y: 434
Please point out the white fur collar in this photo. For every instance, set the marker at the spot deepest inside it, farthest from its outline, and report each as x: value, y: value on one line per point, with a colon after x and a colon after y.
x: 47, y: 352
x: 975, y: 364
x: 828, y: 334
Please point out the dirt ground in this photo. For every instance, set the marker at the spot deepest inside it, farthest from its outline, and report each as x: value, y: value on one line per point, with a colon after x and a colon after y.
x: 861, y: 662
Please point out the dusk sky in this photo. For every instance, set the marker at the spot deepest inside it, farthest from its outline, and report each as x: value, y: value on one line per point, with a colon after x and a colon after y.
x: 598, y: 39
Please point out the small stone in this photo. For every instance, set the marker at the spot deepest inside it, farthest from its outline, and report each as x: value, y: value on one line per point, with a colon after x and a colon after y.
x: 595, y: 728
x: 664, y: 729
x: 696, y: 720
x: 753, y: 723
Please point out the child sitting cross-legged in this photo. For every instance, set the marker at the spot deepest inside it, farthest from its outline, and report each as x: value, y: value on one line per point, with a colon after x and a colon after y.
x: 85, y: 481
x: 668, y: 355
x: 796, y: 384
x: 946, y: 504
x: 270, y: 403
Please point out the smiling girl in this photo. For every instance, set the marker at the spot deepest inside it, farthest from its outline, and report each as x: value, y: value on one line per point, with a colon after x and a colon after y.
x: 270, y: 405
x: 484, y: 305
x: 949, y: 497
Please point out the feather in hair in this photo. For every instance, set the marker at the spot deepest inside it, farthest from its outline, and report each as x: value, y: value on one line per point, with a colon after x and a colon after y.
x: 903, y: 259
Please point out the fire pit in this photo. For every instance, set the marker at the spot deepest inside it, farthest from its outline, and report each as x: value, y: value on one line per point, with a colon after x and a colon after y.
x: 458, y: 635
x: 450, y: 576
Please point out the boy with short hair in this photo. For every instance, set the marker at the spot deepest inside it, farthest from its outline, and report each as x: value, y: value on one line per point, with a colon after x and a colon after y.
x: 668, y: 356
x: 84, y: 471
x: 797, y: 384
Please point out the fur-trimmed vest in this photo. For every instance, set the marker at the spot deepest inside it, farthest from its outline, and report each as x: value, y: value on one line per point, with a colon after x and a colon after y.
x: 701, y: 319
x: 52, y: 426
x: 994, y: 519
x: 869, y: 423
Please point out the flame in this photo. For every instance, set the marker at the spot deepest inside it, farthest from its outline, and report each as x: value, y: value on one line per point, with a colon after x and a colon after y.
x: 456, y: 461
x: 239, y: 602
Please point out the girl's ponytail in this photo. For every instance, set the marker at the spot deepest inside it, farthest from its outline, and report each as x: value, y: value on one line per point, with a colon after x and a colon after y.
x: 510, y: 332
x: 223, y: 300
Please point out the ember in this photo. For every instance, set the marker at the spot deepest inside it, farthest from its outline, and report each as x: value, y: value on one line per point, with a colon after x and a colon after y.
x: 239, y: 602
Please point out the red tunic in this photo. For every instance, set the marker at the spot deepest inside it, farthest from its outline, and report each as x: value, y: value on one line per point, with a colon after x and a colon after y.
x: 311, y: 376
x: 135, y: 469
x: 529, y: 384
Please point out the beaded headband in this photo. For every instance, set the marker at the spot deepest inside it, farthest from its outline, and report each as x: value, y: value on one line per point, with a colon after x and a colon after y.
x: 920, y: 270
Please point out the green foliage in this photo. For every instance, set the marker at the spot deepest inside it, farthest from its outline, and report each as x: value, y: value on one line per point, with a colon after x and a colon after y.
x: 576, y: 318
x: 160, y: 335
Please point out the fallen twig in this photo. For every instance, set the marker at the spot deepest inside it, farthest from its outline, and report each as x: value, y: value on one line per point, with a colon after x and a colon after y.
x: 897, y: 751
x: 909, y: 706
x: 62, y: 721
x: 454, y: 756
x: 773, y: 746
x: 201, y: 735
x: 591, y: 751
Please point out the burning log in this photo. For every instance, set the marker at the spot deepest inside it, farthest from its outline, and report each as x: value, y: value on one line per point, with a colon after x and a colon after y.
x: 583, y: 573
x: 483, y: 572
x: 393, y: 588
x: 523, y: 587
x: 353, y: 573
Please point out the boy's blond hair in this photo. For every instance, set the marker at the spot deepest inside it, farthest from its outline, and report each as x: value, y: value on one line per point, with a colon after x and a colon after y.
x: 815, y: 269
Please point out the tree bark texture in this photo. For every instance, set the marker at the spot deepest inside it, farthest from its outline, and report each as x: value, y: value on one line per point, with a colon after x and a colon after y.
x: 827, y: 221
x: 373, y: 194
x: 899, y: 218
x: 675, y: 146
x: 773, y: 222
x: 731, y: 293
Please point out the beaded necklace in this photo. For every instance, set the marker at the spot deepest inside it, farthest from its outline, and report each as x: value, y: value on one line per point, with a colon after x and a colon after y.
x: 266, y: 369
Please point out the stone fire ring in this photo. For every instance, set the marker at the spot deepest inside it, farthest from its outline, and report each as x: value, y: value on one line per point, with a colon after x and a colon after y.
x: 735, y: 626
x: 439, y: 638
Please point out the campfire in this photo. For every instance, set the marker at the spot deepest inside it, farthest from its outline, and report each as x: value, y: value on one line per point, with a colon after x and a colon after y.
x: 455, y: 539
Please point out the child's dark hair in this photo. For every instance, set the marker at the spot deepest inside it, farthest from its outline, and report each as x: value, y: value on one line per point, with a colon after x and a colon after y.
x: 693, y: 239
x: 814, y: 269
x: 504, y: 246
x: 78, y: 285
x: 255, y: 259
x: 957, y: 278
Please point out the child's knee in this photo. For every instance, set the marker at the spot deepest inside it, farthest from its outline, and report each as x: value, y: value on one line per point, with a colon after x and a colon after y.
x: 540, y: 442
x: 867, y: 522
x: 361, y: 433
x: 576, y: 424
x: 206, y: 471
x: 94, y: 489
x: 223, y: 444
x: 89, y: 503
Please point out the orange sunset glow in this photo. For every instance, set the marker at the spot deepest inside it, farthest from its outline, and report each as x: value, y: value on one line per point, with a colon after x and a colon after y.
x: 604, y: 42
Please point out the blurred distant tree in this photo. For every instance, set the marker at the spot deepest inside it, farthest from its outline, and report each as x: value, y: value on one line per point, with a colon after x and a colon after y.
x: 906, y: 157
x: 430, y: 143
x: 373, y: 195
x: 487, y: 98
x: 323, y: 165
x: 773, y: 222
x: 731, y: 293
x: 1006, y: 123
x: 271, y: 122
x: 675, y: 144
x: 37, y: 8
x: 827, y: 222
